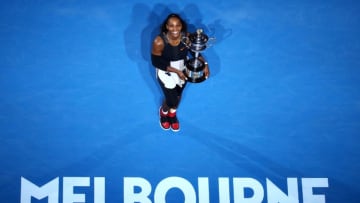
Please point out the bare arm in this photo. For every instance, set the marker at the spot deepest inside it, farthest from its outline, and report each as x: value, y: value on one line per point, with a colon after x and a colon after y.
x: 206, y: 69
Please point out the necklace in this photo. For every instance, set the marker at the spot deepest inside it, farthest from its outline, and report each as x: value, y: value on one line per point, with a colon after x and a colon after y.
x: 173, y: 42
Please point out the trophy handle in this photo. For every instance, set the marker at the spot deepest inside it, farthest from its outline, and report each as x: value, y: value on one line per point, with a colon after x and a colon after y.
x: 211, y: 41
x: 186, y: 41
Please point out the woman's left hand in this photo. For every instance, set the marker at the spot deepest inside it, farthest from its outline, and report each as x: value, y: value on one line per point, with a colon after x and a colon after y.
x: 207, y: 71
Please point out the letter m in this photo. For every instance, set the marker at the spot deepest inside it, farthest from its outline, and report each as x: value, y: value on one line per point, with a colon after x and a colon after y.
x: 50, y: 190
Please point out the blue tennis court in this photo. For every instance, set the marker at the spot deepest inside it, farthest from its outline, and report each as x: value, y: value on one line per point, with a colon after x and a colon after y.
x: 277, y: 121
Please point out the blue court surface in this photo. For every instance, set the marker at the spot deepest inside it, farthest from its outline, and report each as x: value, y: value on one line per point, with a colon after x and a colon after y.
x: 277, y: 121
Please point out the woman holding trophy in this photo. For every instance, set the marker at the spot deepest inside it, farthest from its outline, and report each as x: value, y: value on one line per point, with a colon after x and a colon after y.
x: 169, y: 55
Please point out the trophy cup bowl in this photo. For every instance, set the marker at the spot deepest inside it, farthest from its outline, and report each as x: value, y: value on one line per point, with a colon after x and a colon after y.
x: 194, y: 69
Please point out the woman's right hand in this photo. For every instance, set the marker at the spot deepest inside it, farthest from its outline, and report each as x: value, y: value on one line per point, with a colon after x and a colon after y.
x: 181, y: 75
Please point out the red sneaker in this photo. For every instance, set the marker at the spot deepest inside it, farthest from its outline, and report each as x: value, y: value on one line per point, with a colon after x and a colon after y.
x: 174, y: 122
x: 164, y: 120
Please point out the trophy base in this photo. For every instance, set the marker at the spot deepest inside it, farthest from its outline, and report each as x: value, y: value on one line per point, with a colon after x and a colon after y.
x: 194, y: 77
x: 194, y: 71
x: 196, y: 80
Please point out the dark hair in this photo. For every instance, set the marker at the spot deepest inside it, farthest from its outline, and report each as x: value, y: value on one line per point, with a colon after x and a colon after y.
x: 163, y: 28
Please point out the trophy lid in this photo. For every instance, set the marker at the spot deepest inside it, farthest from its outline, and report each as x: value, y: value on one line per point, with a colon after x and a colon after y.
x: 198, y: 40
x: 198, y: 37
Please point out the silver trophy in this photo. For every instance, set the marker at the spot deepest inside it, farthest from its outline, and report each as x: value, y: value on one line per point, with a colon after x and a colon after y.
x: 196, y: 42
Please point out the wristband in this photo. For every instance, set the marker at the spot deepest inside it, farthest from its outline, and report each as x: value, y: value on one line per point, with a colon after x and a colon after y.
x: 159, y: 62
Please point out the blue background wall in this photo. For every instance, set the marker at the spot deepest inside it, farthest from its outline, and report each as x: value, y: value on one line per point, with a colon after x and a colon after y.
x: 78, y: 95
